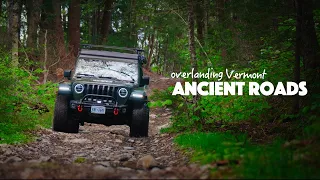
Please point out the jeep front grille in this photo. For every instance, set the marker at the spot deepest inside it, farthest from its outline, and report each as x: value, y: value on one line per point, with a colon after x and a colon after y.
x: 100, y: 90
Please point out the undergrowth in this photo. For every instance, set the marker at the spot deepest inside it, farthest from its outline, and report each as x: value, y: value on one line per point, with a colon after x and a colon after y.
x: 24, y: 104
x: 246, y: 159
x: 205, y: 132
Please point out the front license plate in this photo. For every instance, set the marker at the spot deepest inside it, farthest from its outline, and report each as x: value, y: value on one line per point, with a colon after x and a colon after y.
x: 98, y: 109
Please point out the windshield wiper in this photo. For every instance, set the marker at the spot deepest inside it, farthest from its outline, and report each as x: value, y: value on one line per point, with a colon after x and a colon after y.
x: 84, y: 74
x: 108, y: 77
x: 113, y: 78
x: 123, y: 73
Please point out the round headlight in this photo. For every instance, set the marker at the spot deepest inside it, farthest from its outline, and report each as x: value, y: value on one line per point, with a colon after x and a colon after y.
x: 123, y: 92
x: 78, y: 88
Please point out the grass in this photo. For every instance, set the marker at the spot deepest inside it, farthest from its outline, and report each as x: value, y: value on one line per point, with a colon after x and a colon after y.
x: 17, y: 127
x: 213, y: 146
x: 80, y: 160
x: 254, y: 161
x: 13, y: 132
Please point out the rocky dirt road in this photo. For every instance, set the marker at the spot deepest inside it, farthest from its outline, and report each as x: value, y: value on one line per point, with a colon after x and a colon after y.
x: 98, y: 151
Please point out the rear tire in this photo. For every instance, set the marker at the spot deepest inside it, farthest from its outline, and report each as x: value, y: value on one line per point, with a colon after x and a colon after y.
x: 140, y: 121
x: 63, y: 120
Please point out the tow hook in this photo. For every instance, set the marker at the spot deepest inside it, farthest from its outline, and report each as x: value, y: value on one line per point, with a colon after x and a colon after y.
x: 80, y: 108
x: 116, y: 111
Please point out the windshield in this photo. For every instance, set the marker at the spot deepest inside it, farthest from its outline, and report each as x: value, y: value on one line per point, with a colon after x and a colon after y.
x: 115, y: 70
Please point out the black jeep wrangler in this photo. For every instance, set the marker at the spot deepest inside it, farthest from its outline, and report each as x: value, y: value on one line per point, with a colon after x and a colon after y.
x: 106, y: 87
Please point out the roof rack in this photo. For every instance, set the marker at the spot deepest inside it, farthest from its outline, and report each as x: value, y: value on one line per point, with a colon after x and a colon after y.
x: 88, y: 50
x: 90, y: 46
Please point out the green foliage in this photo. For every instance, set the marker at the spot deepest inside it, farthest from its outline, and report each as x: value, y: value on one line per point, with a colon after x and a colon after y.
x: 23, y: 104
x: 274, y: 161
x: 256, y: 161
x: 213, y: 146
x: 80, y: 160
x: 163, y: 98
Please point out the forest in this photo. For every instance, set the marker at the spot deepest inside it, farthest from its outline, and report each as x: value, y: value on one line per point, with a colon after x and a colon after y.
x: 260, y: 136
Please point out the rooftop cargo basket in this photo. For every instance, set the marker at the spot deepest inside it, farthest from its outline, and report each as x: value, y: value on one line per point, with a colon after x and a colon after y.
x: 89, y: 50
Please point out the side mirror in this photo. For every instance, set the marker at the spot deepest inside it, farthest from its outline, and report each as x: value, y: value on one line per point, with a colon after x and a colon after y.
x: 142, y: 59
x: 67, y: 74
x: 144, y: 81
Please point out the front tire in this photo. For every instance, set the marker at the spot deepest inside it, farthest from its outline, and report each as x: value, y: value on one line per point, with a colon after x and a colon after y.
x: 140, y: 122
x: 63, y: 121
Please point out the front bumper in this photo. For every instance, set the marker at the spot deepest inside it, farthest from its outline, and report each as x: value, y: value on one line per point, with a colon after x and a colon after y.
x: 83, y: 106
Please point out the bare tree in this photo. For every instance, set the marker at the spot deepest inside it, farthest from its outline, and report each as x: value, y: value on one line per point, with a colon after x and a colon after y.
x: 53, y: 52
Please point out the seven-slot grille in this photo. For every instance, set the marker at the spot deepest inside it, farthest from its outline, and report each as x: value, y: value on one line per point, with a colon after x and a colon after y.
x: 100, y: 90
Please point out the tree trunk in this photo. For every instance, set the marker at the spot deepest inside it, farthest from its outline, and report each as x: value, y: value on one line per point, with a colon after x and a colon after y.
x: 200, y: 21
x: 158, y: 56
x: 310, y: 51
x: 13, y: 30
x: 296, y: 103
x: 98, y: 23
x: 94, y: 27
x: 206, y: 17
x: 133, y: 33
x: 74, y: 26
x: 309, y: 40
x: 55, y: 46
x: 9, y: 5
x: 220, y: 9
x: 59, y: 33
x: 106, y: 20
x: 192, y: 49
x: 151, y: 41
x: 64, y: 18
x: 0, y: 8
x: 33, y: 18
x: 165, y: 55
x: 200, y: 25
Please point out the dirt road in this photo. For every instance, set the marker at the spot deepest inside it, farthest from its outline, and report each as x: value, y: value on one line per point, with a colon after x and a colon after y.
x: 98, y: 151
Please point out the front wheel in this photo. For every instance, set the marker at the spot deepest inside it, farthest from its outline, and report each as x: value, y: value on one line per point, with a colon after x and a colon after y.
x: 63, y: 121
x: 140, y: 122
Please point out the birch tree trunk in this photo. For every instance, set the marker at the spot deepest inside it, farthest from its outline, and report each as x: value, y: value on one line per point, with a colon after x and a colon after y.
x: 14, y: 31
